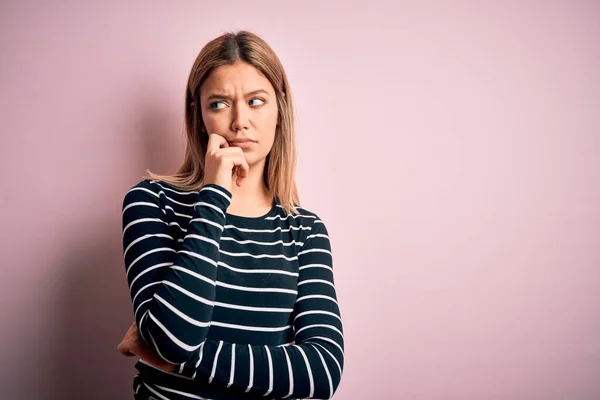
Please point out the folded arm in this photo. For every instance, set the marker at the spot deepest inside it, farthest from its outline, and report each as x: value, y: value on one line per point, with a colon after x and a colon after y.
x: 172, y: 285
x: 312, y: 367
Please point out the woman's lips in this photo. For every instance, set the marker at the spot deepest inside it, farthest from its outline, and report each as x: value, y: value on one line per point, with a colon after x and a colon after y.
x: 243, y: 145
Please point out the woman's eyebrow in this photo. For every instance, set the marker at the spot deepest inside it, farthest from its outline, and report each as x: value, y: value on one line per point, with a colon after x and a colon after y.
x: 226, y: 97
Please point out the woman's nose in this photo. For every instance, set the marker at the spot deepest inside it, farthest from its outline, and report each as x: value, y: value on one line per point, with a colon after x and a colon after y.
x: 240, y: 118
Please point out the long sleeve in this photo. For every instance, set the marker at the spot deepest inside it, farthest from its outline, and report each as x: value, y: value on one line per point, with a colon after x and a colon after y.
x: 313, y: 365
x: 172, y: 284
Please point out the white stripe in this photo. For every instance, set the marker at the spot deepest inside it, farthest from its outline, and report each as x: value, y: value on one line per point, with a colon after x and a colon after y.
x: 139, y: 203
x: 200, y: 356
x: 248, y: 308
x: 138, y: 307
x: 207, y: 221
x: 214, y: 367
x: 204, y: 239
x: 156, y: 347
x: 174, y: 339
x: 256, y: 289
x: 332, y: 356
x: 174, y: 201
x: 177, y: 225
x: 156, y: 182
x: 290, y: 373
x: 315, y: 266
x: 251, y: 359
x: 310, y: 376
x: 317, y: 235
x: 328, y: 340
x: 192, y: 321
x: 326, y: 372
x: 315, y: 296
x: 232, y: 374
x: 291, y: 228
x: 317, y: 312
x: 142, y: 189
x: 202, y: 203
x: 212, y: 189
x: 292, y: 243
x: 139, y: 221
x: 257, y: 271
x: 194, y: 274
x: 320, y: 326
x: 200, y: 256
x: 144, y: 288
x: 145, y: 254
x: 148, y: 270
x: 140, y: 329
x: 145, y: 237
x: 290, y: 216
x: 314, y: 251
x: 270, y: 371
x: 160, y: 396
x: 316, y: 281
x: 190, y: 294
x: 250, y: 328
x: 259, y: 255
x: 178, y: 214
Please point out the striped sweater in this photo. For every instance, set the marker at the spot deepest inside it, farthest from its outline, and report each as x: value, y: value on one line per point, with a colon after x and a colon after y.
x: 246, y: 307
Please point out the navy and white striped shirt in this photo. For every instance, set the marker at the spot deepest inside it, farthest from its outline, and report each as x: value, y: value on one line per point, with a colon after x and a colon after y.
x: 245, y: 306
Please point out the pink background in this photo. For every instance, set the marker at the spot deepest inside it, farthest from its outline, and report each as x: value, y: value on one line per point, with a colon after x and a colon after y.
x: 452, y: 148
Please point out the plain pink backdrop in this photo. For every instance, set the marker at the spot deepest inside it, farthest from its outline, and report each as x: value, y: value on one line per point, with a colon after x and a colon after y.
x: 452, y: 148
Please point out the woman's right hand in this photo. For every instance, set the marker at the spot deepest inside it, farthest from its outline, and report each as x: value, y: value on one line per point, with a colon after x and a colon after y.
x: 222, y: 162
x: 132, y: 344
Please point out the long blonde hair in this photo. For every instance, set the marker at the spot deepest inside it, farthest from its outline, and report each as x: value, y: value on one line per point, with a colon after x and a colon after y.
x: 280, y: 167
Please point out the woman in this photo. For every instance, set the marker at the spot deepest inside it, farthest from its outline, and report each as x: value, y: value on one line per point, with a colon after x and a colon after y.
x: 231, y: 280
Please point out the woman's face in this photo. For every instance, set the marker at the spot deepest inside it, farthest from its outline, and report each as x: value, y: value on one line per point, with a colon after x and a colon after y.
x: 239, y: 103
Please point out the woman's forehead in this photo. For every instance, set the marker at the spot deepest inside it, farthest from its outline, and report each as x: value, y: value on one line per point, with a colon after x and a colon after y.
x: 239, y: 76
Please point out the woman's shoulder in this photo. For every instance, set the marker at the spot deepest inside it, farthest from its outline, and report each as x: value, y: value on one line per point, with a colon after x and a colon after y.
x: 306, y: 212
x: 309, y: 216
x: 157, y: 186
x: 143, y: 188
x: 157, y: 191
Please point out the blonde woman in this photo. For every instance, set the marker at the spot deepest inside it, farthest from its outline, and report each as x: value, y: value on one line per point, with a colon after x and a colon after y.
x: 231, y: 280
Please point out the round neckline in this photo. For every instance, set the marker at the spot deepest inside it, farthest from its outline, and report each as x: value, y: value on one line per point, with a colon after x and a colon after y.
x: 239, y: 219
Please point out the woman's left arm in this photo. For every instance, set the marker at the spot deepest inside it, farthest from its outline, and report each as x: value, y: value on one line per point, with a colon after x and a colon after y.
x: 312, y: 367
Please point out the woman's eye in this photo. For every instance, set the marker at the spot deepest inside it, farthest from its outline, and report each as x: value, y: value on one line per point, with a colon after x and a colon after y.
x: 261, y: 101
x: 214, y: 105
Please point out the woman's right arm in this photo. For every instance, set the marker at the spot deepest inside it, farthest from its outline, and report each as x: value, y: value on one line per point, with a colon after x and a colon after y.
x: 172, y: 287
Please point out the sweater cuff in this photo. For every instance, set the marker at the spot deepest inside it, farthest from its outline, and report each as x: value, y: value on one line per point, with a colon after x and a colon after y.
x: 216, y: 195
